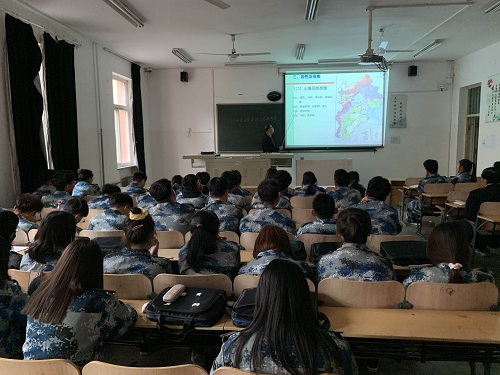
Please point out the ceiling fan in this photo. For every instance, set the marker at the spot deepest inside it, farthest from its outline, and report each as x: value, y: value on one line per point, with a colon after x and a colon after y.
x: 233, y: 55
x: 219, y: 3
x: 382, y: 47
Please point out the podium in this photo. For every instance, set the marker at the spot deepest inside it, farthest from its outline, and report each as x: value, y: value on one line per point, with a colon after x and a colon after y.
x: 252, y: 167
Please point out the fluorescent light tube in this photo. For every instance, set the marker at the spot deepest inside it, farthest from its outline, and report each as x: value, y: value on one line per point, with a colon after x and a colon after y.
x: 311, y: 9
x: 338, y: 61
x: 436, y: 43
x: 493, y: 9
x: 301, y: 49
x: 183, y: 55
x: 123, y: 10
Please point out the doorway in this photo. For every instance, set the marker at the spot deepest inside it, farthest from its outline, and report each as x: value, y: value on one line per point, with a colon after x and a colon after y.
x: 472, y: 123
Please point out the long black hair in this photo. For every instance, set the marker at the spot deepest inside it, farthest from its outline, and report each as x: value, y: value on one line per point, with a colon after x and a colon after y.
x: 204, y: 228
x: 8, y: 225
x: 284, y: 317
x: 309, y: 180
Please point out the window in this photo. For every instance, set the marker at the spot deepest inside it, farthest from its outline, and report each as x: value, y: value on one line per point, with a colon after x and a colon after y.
x: 122, y: 102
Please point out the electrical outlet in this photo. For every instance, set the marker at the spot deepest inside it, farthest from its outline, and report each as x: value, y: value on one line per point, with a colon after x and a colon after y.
x: 395, y: 140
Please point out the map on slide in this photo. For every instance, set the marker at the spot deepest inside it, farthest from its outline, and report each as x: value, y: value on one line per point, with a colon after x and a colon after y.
x: 335, y: 109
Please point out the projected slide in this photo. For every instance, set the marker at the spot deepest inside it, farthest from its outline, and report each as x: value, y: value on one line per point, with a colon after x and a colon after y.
x: 334, y: 109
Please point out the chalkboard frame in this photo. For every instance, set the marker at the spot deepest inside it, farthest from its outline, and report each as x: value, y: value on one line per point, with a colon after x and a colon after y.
x: 240, y: 127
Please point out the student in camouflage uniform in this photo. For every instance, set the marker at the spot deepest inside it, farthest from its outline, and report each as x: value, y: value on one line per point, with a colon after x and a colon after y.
x: 112, y: 219
x: 285, y: 336
x: 414, y: 208
x: 84, y: 186
x: 229, y: 215
x: 141, y: 253
x: 344, y: 196
x: 191, y: 192
x: 324, y: 210
x: 56, y: 231
x: 207, y: 253
x: 12, y: 322
x: 284, y: 180
x: 204, y: 179
x: 265, y: 213
x: 167, y: 213
x: 354, y: 260
x: 28, y: 208
x: 69, y: 315
x: 177, y: 184
x: 238, y: 189
x: 449, y: 251
x: 45, y: 178
x: 385, y: 219
x: 102, y: 202
x: 136, y: 187
x: 354, y: 183
x: 466, y: 172
x: 232, y: 186
x: 309, y: 186
x: 64, y: 182
x: 77, y: 207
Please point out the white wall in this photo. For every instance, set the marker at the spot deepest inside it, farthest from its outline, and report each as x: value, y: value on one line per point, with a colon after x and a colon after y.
x: 470, y: 70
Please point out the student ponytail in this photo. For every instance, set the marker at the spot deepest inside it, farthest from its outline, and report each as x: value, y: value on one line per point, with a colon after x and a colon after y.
x: 473, y: 173
x: 310, y: 190
x: 204, y: 229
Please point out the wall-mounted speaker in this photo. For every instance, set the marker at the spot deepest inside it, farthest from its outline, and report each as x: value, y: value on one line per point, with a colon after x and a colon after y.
x: 412, y: 71
x: 184, y: 76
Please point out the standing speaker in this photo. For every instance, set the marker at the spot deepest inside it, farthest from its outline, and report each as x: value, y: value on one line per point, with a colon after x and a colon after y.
x: 412, y: 71
x: 184, y: 76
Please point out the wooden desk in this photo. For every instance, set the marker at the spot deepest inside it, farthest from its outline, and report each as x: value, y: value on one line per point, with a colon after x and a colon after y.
x: 173, y: 254
x: 449, y: 207
x: 407, y: 192
x: 429, y: 199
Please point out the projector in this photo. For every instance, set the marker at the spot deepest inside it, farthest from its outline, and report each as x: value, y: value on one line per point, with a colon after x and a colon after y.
x: 371, y: 60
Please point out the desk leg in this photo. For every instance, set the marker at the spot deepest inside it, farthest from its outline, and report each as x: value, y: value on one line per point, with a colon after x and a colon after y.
x: 420, y: 217
x: 472, y: 368
x: 473, y: 243
x: 487, y: 368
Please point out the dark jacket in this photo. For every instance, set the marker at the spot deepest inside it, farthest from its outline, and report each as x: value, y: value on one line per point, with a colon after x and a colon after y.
x: 268, y: 144
x: 489, y: 193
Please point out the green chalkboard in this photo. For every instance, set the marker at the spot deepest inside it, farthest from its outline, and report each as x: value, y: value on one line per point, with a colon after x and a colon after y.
x: 240, y: 126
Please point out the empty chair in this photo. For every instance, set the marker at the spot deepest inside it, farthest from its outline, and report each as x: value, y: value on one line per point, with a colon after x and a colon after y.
x: 39, y: 367
x: 21, y: 238
x: 128, y: 286
x: 302, y: 215
x: 489, y: 209
x: 247, y: 240
x: 468, y: 186
x: 310, y: 238
x: 101, y: 368
x: 301, y: 202
x: 375, y: 240
x: 171, y: 239
x: 251, y: 281
x: 214, y: 281
x: 446, y: 296
x: 365, y: 294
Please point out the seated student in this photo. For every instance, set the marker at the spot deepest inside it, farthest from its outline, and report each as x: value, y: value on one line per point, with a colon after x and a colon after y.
x: 136, y: 187
x: 271, y: 243
x: 69, y: 315
x: 265, y: 212
x: 309, y: 186
x: 284, y: 180
x: 206, y: 252
x: 229, y: 215
x: 177, y: 183
x: 102, y: 202
x: 140, y: 255
x: 385, y: 219
x: 496, y: 165
x: 238, y: 189
x: 191, y: 192
x: 449, y: 252
x: 354, y: 184
x: 323, y: 209
x: 28, y: 208
x: 45, y: 177
x: 77, y: 207
x: 344, y: 196
x: 84, y: 186
x: 466, y: 172
x: 431, y: 177
x: 232, y: 185
x: 285, y: 336
x: 354, y: 260
x: 12, y: 322
x: 56, y: 231
x: 167, y: 214
x: 63, y: 181
x: 112, y: 219
x: 204, y: 179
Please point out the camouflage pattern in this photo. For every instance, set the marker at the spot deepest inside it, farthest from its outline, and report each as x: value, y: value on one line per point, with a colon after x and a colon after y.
x: 26, y: 225
x: 108, y: 220
x: 257, y: 266
x: 177, y: 188
x: 284, y: 202
x: 99, y: 203
x: 45, y: 190
x: 47, y: 262
x: 52, y: 200
x: 225, y: 260
x: 83, y: 188
x: 229, y: 215
x: 238, y: 200
x: 146, y: 201
x: 462, y: 177
x: 243, y: 192
x: 133, y: 189
x: 226, y: 357
x: 12, y: 322
x: 432, y: 179
x: 345, y: 197
x: 385, y: 219
x: 301, y: 191
x: 197, y: 202
x: 136, y: 261
x: 172, y: 216
x: 266, y: 215
x: 355, y: 262
x: 318, y: 226
x: 440, y: 273
x: 92, y: 319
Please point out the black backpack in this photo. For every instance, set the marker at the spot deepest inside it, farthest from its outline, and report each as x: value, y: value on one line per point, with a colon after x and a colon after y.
x: 322, y: 248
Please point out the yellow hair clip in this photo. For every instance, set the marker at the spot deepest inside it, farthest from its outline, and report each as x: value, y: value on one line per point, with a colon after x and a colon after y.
x: 140, y: 216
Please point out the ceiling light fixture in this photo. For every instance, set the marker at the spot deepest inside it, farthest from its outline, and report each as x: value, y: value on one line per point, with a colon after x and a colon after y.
x: 250, y: 63
x: 124, y: 10
x: 311, y: 9
x: 434, y: 44
x: 493, y: 9
x: 338, y: 61
x: 183, y: 55
x: 299, y: 53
